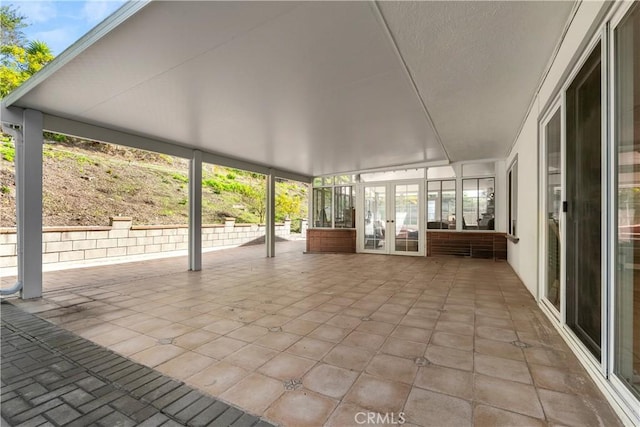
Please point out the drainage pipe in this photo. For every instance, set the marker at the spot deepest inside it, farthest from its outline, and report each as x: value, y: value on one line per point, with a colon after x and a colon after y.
x: 15, y: 288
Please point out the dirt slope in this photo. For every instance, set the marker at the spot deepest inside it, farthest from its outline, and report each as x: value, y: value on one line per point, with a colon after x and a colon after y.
x: 85, y: 183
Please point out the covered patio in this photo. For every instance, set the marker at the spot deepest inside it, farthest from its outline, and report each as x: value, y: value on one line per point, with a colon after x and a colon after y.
x: 318, y: 339
x: 416, y: 125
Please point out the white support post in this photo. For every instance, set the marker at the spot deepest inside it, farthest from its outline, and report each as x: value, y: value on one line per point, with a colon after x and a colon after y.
x: 270, y: 232
x: 195, y: 211
x: 29, y: 204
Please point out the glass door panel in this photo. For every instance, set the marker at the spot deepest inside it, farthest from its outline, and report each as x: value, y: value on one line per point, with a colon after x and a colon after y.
x: 554, y: 209
x: 627, y: 298
x: 584, y: 198
x: 375, y: 218
x: 406, y: 225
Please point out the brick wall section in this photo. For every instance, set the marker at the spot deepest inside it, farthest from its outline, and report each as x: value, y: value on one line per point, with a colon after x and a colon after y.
x: 470, y: 244
x: 122, y: 238
x: 341, y: 240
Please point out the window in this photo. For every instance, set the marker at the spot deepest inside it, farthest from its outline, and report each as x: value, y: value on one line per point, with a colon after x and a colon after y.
x: 478, y: 204
x: 512, y: 191
x: 344, y: 207
x: 334, y: 201
x: 322, y: 207
x: 627, y: 139
x: 441, y: 204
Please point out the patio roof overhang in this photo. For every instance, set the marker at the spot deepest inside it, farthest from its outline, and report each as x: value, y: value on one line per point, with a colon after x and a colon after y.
x: 307, y: 88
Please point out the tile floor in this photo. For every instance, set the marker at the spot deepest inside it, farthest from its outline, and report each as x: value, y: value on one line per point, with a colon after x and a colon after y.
x: 316, y: 339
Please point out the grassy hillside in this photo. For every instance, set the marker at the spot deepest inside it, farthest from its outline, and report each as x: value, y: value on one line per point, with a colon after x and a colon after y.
x: 85, y: 183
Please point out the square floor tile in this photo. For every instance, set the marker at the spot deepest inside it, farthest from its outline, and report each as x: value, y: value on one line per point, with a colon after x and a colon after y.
x: 363, y: 339
x: 251, y: 356
x: 454, y: 327
x: 223, y: 326
x: 194, y: 339
x: 286, y: 367
x: 217, y: 378
x: 348, y: 357
x: 427, y: 408
x: 446, y: 339
x: 497, y: 334
x: 502, y: 368
x: 445, y: 380
x: 154, y: 356
x: 377, y: 394
x: 310, y: 348
x: 254, y: 393
x: 248, y: 333
x: 329, y: 333
x: 329, y: 380
x: 375, y: 327
x: 499, y: 349
x: 133, y: 345
x: 299, y: 326
x: 220, y: 347
x: 411, y: 333
x: 403, y: 348
x: 171, y: 331
x: 489, y: 416
x: 393, y: 368
x: 450, y: 357
x: 345, y: 322
x: 185, y: 365
x: 277, y: 340
x: 301, y: 408
x: 509, y: 395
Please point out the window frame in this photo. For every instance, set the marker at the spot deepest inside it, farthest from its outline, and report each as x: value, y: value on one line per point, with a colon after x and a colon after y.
x: 454, y: 180
x: 512, y: 198
x: 477, y: 179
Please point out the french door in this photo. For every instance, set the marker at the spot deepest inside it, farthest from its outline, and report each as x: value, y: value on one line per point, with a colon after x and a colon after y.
x: 391, y: 218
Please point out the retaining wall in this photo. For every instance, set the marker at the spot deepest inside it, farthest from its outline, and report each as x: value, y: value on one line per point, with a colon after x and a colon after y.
x: 123, y: 239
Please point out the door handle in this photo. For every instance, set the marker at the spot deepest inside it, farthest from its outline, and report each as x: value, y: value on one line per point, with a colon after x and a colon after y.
x: 392, y: 221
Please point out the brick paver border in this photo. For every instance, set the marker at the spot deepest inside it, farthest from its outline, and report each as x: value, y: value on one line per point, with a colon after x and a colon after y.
x: 50, y: 376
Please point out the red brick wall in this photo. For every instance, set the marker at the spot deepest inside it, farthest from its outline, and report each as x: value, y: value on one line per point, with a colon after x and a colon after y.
x: 331, y: 240
x: 464, y: 243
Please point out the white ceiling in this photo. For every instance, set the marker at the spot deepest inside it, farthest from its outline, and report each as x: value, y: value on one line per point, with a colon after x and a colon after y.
x: 314, y: 87
x: 477, y: 65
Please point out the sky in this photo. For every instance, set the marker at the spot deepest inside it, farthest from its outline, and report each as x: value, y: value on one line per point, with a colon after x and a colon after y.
x: 60, y: 23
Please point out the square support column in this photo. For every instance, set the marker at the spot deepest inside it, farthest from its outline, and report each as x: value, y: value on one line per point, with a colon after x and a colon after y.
x: 28, y: 163
x: 270, y: 232
x: 195, y: 211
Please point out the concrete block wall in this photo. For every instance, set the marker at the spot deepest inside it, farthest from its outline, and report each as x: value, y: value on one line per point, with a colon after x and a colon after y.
x: 123, y: 239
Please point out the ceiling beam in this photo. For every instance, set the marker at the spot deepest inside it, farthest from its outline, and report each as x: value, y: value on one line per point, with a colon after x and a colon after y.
x: 74, y: 128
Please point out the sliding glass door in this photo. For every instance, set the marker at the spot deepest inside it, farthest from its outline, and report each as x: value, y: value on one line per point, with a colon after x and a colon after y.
x: 627, y: 132
x: 552, y: 134
x: 584, y: 203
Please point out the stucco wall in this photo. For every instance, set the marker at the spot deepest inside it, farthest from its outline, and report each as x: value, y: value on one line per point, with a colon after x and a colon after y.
x: 524, y: 255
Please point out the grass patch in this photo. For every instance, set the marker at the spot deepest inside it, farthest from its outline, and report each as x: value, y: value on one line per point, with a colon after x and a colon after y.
x: 7, y: 150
